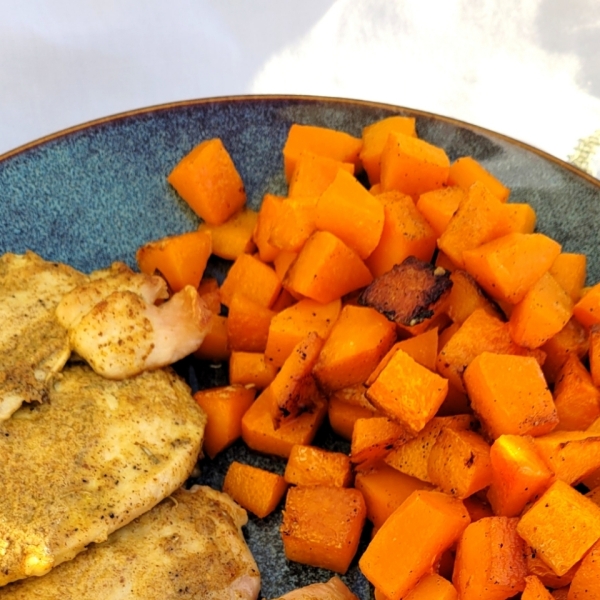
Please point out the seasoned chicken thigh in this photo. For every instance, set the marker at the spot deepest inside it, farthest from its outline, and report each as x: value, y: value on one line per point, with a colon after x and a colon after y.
x: 115, y: 326
x: 188, y: 547
x: 100, y: 284
x: 123, y: 335
x: 33, y: 345
x: 94, y: 457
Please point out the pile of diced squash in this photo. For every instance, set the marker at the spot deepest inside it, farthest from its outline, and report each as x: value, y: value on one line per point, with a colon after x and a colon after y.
x: 405, y: 299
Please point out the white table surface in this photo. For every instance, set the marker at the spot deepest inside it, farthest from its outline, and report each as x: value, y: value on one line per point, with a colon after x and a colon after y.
x: 527, y: 68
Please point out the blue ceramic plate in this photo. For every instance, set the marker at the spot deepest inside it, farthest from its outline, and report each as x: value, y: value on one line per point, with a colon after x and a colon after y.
x: 93, y: 194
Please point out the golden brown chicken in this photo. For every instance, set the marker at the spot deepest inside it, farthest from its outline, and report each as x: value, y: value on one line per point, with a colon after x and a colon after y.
x: 116, y: 327
x: 33, y: 345
x: 188, y: 547
x: 94, y: 457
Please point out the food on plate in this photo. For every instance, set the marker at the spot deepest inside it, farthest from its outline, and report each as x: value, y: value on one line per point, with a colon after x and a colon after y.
x: 334, y: 589
x: 441, y: 331
x: 321, y: 525
x: 180, y: 259
x: 188, y: 546
x: 84, y: 296
x: 114, y: 324
x: 448, y: 341
x: 208, y: 181
x: 123, y: 335
x: 255, y: 489
x: 409, y: 293
x: 33, y: 344
x: 94, y: 457
x: 430, y: 523
x: 490, y: 560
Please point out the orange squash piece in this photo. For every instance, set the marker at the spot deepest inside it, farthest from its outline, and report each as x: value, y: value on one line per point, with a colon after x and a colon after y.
x: 405, y: 233
x: 351, y: 213
x: 480, y: 332
x: 373, y: 438
x: 408, y: 392
x: 508, y: 266
x: 282, y: 263
x: 439, y: 206
x: 585, y: 582
x: 208, y: 290
x: 521, y: 218
x: 480, y: 217
x: 478, y: 508
x: 180, y: 259
x: 569, y: 270
x: 293, y: 390
x: 576, y: 397
x: 208, y: 181
x: 234, y: 236
x: 313, y: 174
x: 296, y: 221
x: 571, y: 455
x: 259, y: 433
x: 334, y: 589
x: 309, y: 465
x: 594, y: 495
x: 326, y: 269
x: 323, y: 141
x: 384, y: 490
x: 535, y: 590
x: 412, y: 457
x: 224, y: 408
x: 594, y: 354
x: 536, y: 566
x: 490, y: 561
x: 465, y: 171
x: 358, y: 340
x: 254, y: 489
x: 510, y: 395
x: 322, y: 526
x: 422, y: 347
x: 561, y: 526
x: 571, y: 339
x: 459, y: 463
x: 412, y: 166
x: 433, y: 587
x: 374, y: 137
x: 466, y: 296
x: 426, y: 524
x: 215, y: 345
x: 542, y: 313
x: 252, y: 278
x: 247, y: 324
x: 519, y: 475
x: 346, y: 406
x: 251, y: 369
x: 294, y: 323
x: 587, y: 309
x: 268, y: 215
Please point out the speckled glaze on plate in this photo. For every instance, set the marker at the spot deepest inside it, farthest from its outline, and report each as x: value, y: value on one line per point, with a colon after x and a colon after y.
x: 93, y: 194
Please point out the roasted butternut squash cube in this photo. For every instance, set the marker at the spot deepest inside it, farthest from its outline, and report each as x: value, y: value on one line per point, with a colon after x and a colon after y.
x: 490, y: 560
x: 510, y: 395
x: 322, y: 525
x: 412, y: 166
x: 208, y: 181
x: 561, y: 526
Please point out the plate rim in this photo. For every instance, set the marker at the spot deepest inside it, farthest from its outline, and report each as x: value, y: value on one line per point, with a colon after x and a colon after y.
x: 239, y: 98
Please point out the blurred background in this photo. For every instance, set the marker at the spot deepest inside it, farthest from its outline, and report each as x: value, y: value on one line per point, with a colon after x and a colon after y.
x: 527, y: 68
